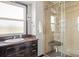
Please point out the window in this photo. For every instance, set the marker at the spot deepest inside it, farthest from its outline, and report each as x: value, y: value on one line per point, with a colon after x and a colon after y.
x: 78, y: 23
x: 53, y: 23
x: 12, y: 18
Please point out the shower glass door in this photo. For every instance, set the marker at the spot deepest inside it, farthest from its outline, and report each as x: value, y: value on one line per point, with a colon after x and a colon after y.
x: 60, y: 23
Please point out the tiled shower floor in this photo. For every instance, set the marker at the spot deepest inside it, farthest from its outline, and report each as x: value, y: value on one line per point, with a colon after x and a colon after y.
x: 56, y: 54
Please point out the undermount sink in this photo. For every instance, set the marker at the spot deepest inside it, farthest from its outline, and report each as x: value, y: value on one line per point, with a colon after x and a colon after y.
x: 14, y: 40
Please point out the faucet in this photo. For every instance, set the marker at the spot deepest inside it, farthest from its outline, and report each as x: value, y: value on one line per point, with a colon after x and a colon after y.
x: 14, y: 37
x: 20, y: 36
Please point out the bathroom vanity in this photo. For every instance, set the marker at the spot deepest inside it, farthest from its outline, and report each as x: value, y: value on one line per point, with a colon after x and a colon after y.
x: 25, y: 47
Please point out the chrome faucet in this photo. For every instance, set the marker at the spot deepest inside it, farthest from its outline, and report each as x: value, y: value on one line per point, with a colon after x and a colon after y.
x: 14, y: 37
x: 20, y: 36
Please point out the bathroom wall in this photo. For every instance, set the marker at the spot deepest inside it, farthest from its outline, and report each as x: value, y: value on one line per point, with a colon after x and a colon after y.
x: 48, y: 34
x: 34, y: 17
x: 71, y: 36
x: 71, y: 43
x: 39, y: 26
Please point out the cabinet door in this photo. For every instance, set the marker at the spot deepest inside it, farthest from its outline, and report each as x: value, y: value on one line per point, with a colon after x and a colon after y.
x: 28, y: 49
x: 27, y: 52
x: 21, y: 54
x: 34, y: 48
x: 2, y: 51
x: 10, y: 50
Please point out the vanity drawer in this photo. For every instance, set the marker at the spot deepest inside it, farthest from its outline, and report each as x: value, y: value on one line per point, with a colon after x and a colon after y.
x: 24, y: 49
x: 10, y: 50
x: 34, y: 53
x: 34, y: 42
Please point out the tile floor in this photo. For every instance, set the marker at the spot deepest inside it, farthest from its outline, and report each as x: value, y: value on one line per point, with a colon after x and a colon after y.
x: 56, y: 54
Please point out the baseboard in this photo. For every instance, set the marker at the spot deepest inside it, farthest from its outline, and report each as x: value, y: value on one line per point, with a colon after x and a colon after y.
x: 41, y: 55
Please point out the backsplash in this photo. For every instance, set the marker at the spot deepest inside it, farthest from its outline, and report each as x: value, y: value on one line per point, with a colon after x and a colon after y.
x: 15, y: 37
x: 9, y: 37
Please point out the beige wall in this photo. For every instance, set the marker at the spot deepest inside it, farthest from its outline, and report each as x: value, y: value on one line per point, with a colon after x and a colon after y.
x: 71, y: 36
x: 47, y: 29
x: 71, y: 43
x: 48, y: 34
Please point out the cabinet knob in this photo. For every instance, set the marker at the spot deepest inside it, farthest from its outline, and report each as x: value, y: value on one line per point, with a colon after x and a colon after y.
x: 33, y: 50
x: 33, y: 44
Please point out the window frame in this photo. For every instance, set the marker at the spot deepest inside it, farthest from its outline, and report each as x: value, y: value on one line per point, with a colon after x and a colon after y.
x: 25, y: 18
x: 78, y: 23
x: 53, y: 23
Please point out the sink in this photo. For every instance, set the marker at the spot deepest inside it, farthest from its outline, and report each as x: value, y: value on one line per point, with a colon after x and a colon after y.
x: 14, y: 40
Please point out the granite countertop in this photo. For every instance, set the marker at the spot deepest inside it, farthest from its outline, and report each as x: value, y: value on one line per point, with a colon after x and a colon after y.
x: 21, y: 40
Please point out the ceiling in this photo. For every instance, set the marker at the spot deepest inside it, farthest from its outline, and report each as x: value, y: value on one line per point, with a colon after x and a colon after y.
x: 67, y: 3
x: 25, y: 2
x: 71, y: 3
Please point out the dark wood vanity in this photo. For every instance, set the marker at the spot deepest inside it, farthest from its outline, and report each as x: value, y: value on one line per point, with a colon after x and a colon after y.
x: 26, y: 48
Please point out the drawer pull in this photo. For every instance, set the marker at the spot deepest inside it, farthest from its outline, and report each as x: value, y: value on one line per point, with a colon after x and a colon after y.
x: 33, y: 50
x: 33, y: 44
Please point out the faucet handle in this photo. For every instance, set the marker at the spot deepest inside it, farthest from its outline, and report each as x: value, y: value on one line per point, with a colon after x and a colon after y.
x: 14, y: 37
x: 20, y: 36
